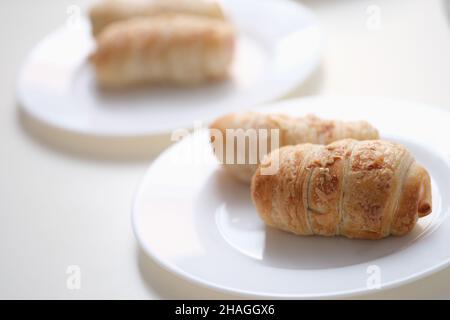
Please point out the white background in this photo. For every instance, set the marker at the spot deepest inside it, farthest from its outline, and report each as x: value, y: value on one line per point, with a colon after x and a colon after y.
x: 65, y: 199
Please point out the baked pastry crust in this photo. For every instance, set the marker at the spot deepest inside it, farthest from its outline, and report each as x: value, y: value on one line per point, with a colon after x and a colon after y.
x: 106, y: 12
x: 170, y: 48
x: 357, y: 189
x: 292, y: 131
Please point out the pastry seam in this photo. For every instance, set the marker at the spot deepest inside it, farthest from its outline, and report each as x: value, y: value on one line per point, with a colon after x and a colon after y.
x: 345, y: 167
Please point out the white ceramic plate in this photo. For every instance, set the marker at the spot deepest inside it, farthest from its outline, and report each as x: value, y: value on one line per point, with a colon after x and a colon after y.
x: 278, y: 46
x: 198, y: 222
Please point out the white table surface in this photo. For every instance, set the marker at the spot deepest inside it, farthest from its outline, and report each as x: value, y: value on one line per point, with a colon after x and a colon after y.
x: 65, y: 198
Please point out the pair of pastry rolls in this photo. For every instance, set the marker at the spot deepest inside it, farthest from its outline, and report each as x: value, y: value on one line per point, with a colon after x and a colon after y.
x: 332, y: 178
x: 182, y: 42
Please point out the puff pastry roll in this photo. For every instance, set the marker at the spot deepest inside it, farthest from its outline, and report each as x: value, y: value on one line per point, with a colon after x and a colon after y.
x: 357, y: 189
x: 172, y: 48
x: 106, y: 12
x: 291, y: 131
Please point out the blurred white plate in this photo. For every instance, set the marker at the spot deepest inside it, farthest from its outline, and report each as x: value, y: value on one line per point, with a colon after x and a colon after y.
x: 199, y: 223
x: 278, y: 46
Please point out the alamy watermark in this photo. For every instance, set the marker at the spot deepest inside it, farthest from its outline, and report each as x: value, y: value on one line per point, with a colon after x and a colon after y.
x: 73, y: 20
x: 73, y: 281
x: 233, y: 146
x: 373, y: 20
x: 373, y: 281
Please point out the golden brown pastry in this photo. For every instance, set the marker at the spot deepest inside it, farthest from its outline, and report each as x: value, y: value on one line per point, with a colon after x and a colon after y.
x: 106, y: 12
x: 172, y: 48
x: 358, y: 189
x: 292, y: 131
